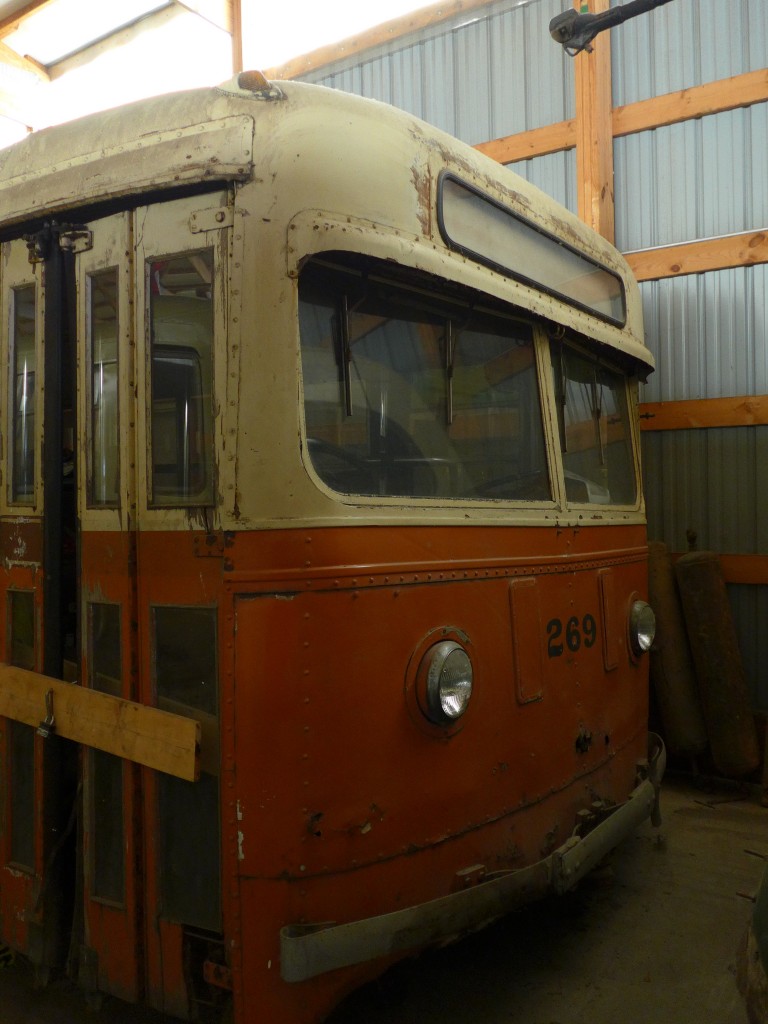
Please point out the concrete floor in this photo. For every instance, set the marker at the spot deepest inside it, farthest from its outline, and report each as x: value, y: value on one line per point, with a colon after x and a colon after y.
x: 650, y: 938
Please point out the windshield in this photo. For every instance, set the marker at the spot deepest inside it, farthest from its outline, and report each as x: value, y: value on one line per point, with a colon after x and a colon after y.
x: 414, y: 388
x: 595, y: 435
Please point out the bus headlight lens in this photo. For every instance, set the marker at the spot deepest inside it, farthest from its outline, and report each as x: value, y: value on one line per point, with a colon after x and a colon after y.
x: 642, y: 626
x: 446, y: 677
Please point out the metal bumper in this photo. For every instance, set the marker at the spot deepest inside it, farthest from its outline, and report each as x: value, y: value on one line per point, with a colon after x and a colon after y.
x: 307, y: 950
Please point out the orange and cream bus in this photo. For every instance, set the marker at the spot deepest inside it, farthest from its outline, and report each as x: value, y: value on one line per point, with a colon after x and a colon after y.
x: 323, y: 548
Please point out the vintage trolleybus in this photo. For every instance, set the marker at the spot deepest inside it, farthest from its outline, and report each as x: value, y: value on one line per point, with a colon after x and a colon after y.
x: 323, y: 548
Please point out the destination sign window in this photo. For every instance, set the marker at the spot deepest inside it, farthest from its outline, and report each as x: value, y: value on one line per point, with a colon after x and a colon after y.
x: 482, y: 229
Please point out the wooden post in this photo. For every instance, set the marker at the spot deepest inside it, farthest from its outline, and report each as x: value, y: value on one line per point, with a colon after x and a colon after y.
x: 237, y: 36
x: 594, y: 129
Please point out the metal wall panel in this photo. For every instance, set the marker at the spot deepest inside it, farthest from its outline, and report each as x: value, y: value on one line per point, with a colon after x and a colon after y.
x: 699, y: 179
x: 708, y: 481
x: 713, y: 482
x: 709, y: 335
x: 687, y: 43
x: 750, y: 612
x: 481, y: 75
x: 554, y: 174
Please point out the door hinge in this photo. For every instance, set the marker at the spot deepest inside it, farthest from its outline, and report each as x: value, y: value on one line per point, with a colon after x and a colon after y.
x: 213, y: 219
x: 213, y: 545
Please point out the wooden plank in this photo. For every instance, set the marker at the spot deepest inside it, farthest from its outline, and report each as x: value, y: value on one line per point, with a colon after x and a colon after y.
x: 157, y: 739
x: 536, y: 142
x: 385, y: 33
x: 742, y: 250
x: 695, y: 414
x: 594, y: 141
x: 698, y: 101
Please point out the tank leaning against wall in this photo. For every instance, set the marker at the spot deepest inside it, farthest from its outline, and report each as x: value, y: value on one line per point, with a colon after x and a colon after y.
x: 719, y: 668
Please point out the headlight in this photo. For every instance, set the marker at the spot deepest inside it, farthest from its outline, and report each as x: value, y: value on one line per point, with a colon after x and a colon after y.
x: 642, y: 626
x: 445, y: 677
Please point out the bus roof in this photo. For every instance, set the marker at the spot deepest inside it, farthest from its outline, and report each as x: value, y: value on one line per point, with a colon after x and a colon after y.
x: 199, y: 138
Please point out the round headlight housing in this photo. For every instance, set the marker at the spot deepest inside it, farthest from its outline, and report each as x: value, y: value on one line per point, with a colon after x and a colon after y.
x: 642, y: 627
x: 446, y: 682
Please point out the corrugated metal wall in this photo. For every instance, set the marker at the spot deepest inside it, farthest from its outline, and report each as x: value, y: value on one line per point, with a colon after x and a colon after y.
x: 696, y: 180
x: 484, y: 74
x: 687, y: 43
x: 495, y: 72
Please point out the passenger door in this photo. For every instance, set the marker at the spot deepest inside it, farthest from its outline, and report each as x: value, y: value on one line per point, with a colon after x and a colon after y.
x: 21, y: 572
x: 181, y: 259
x: 105, y: 460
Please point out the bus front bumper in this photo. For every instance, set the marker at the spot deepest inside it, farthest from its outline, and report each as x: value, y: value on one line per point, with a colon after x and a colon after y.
x: 308, y: 950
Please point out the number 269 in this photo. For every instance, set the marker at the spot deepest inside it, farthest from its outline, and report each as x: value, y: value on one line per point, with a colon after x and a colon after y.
x: 572, y: 634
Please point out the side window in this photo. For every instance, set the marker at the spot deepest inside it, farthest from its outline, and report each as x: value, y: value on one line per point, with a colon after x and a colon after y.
x: 181, y: 369
x: 22, y: 397
x: 595, y: 433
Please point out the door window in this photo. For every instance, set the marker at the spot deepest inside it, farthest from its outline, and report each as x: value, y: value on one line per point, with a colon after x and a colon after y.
x: 104, y: 475
x: 107, y: 828
x: 188, y: 812
x: 21, y: 627
x: 23, y: 394
x: 181, y: 359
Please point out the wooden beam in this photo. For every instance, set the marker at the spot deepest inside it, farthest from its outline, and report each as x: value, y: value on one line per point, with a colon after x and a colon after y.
x: 535, y: 142
x: 697, y: 413
x: 748, y: 569
x: 157, y: 739
x: 387, y: 32
x: 698, y: 257
x: 673, y: 107
x: 12, y: 59
x: 594, y: 130
x: 237, y: 36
